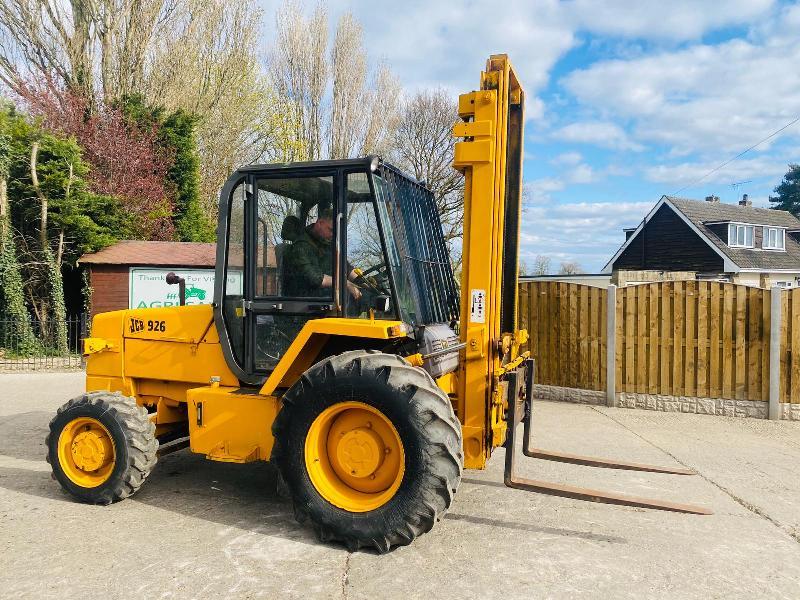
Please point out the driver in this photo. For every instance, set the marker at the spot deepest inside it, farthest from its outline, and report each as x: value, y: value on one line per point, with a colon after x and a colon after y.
x: 307, y: 266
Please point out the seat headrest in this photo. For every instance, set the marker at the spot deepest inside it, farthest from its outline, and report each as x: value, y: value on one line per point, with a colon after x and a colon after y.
x: 291, y: 229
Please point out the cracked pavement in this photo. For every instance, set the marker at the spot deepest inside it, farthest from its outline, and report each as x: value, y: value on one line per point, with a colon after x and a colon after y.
x: 199, y: 529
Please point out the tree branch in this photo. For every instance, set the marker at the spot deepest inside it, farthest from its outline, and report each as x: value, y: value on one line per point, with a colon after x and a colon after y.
x: 39, y: 194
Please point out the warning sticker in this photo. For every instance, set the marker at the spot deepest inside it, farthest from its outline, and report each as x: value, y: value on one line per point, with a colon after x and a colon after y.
x: 477, y: 307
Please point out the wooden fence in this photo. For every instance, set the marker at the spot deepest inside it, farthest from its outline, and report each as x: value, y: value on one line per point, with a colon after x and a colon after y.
x: 567, y: 327
x: 678, y: 338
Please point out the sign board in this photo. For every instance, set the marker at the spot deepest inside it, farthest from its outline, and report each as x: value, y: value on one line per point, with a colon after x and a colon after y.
x: 477, y: 307
x: 148, y: 288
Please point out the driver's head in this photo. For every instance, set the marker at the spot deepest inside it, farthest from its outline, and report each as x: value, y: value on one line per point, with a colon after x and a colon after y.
x: 323, y: 227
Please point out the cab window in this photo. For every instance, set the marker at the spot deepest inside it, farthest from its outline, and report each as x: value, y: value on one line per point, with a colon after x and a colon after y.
x: 368, y: 278
x: 294, y: 233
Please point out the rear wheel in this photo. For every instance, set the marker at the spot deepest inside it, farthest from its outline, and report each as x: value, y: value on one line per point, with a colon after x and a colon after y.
x: 101, y: 447
x: 369, y: 448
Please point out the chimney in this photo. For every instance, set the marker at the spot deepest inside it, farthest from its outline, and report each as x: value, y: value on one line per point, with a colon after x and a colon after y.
x: 712, y: 198
x: 745, y: 201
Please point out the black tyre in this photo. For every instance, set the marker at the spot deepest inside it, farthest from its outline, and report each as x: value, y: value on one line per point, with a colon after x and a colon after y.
x: 386, y: 424
x: 101, y: 447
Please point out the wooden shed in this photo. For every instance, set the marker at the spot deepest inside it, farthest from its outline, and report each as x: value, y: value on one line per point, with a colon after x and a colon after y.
x: 111, y: 269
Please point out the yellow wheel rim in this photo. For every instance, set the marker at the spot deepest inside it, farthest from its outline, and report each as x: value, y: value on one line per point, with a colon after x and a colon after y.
x: 354, y: 456
x: 86, y: 452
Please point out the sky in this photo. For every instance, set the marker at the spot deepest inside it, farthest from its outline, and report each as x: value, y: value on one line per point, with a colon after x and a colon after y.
x: 626, y: 101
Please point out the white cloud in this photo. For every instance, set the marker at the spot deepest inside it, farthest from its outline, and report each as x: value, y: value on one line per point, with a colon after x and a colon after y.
x: 586, y: 232
x: 567, y: 158
x: 687, y: 173
x: 430, y: 44
x: 538, y: 191
x: 677, y: 20
x: 582, y: 173
x: 598, y: 133
x: 715, y: 99
x: 445, y: 44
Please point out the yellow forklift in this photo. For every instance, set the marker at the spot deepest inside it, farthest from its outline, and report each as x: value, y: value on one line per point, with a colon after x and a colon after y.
x: 339, y: 345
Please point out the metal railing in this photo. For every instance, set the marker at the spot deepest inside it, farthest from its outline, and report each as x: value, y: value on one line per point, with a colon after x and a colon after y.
x: 18, y: 353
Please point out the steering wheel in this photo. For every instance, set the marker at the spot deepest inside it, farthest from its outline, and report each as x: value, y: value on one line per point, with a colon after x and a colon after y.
x: 381, y: 279
x: 380, y: 268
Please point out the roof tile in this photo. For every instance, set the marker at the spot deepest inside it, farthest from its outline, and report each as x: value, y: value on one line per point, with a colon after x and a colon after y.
x: 700, y: 212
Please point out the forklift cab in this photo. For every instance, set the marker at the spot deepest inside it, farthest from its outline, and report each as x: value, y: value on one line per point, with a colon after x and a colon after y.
x: 301, y: 241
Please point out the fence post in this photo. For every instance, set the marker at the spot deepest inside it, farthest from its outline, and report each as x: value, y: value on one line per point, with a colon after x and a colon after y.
x: 611, y: 345
x: 775, y: 353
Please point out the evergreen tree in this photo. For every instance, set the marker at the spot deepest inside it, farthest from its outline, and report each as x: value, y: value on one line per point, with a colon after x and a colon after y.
x: 88, y: 221
x: 55, y: 218
x: 788, y: 192
x: 56, y: 332
x: 16, y: 330
x: 15, y: 320
x: 175, y: 133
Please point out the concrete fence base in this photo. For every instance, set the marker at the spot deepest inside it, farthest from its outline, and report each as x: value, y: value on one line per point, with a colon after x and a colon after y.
x: 702, y: 406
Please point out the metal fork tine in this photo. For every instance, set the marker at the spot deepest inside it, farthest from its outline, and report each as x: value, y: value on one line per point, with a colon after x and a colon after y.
x: 602, y: 463
x: 569, y: 491
x: 591, y: 495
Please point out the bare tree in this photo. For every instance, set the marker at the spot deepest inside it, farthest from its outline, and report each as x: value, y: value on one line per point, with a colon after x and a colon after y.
x: 570, y: 268
x: 196, y: 55
x: 99, y: 46
x: 541, y: 265
x: 423, y: 146
x: 211, y: 69
x: 338, y: 109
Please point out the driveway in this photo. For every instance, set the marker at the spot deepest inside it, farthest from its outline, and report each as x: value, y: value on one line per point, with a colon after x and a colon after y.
x: 199, y: 529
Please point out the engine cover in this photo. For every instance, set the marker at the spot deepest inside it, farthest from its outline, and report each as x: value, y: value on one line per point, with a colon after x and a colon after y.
x: 438, y: 337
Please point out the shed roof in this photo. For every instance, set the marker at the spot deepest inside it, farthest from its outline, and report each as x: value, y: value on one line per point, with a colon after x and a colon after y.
x: 163, y: 254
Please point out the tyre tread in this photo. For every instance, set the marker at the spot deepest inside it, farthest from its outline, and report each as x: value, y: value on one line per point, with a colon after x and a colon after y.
x: 444, y: 452
x: 139, y: 434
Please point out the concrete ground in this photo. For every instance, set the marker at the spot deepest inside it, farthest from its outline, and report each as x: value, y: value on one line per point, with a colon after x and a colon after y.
x: 199, y: 529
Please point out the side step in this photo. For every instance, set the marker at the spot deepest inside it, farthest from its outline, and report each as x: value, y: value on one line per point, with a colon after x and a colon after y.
x: 519, y: 402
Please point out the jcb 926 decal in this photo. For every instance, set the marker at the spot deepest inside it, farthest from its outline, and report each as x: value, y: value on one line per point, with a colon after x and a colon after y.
x: 138, y: 325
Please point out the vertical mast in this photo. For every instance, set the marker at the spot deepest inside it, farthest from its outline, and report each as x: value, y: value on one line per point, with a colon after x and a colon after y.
x: 491, y: 159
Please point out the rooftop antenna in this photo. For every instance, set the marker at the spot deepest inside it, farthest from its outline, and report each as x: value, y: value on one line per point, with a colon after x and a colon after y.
x: 737, y: 185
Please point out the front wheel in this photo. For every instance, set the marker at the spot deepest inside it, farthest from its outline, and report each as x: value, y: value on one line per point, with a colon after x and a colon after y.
x: 370, y: 450
x: 101, y: 447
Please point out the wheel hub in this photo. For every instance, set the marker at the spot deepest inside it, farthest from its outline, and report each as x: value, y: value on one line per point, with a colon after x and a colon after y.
x: 360, y: 452
x: 90, y: 450
x: 354, y: 456
x: 86, y: 452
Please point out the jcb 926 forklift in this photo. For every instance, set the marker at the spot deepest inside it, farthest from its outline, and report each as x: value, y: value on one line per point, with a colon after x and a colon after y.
x: 338, y: 344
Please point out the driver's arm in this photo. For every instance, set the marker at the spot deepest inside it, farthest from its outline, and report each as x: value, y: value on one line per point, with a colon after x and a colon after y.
x: 304, y: 269
x: 353, y: 272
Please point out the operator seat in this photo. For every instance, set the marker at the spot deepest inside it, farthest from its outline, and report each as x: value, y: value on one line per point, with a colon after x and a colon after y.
x: 291, y: 229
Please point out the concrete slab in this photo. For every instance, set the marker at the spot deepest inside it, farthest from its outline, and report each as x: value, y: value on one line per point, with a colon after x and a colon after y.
x: 199, y: 529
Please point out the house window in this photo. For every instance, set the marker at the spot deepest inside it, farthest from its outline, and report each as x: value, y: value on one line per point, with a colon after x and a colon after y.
x: 773, y: 238
x: 740, y: 236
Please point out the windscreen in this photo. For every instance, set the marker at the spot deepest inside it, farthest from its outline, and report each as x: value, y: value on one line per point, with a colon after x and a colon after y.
x: 426, y: 286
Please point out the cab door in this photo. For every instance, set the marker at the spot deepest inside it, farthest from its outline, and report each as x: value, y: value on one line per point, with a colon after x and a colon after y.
x: 292, y: 267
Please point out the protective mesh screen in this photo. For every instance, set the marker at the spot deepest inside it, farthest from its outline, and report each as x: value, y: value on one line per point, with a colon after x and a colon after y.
x: 420, y: 241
